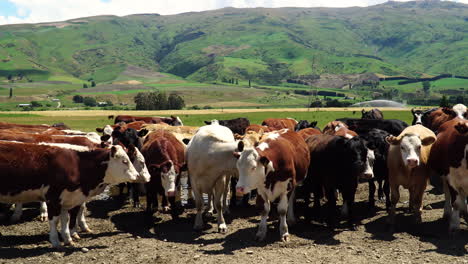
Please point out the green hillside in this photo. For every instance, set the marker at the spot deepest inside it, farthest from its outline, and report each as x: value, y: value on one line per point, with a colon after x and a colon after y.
x: 264, y: 45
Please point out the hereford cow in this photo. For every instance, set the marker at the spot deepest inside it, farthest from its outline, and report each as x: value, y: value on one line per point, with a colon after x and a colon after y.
x: 302, y: 124
x: 336, y: 163
x: 407, y: 166
x: 165, y: 158
x: 306, y: 132
x: 107, y: 130
x: 237, y: 125
x: 274, y: 167
x: 338, y: 128
x: 210, y: 165
x: 392, y: 126
x: 280, y: 123
x: 258, y: 129
x: 64, y: 178
x: 37, y: 138
x: 172, y: 120
x: 180, y: 132
x: 372, y: 114
x: 449, y: 159
x: 442, y: 115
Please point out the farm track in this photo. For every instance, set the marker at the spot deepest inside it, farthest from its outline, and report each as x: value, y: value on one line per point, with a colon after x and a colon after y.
x: 121, y: 235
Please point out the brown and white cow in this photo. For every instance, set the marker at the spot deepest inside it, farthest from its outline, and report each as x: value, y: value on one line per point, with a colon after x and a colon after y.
x: 37, y: 138
x: 307, y: 132
x: 172, y: 120
x: 449, y: 159
x: 407, y: 162
x: 442, y: 115
x: 280, y: 123
x: 64, y: 178
x: 180, y: 132
x: 165, y: 159
x: 338, y: 128
x: 257, y: 128
x: 274, y: 167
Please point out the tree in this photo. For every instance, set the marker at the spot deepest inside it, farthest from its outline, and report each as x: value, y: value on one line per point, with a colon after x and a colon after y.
x: 11, y: 92
x: 77, y: 99
x: 444, y: 102
x: 151, y: 101
x: 237, y: 81
x: 35, y: 104
x: 426, y: 86
x: 85, y: 85
x: 10, y: 77
x: 93, y: 83
x: 89, y: 101
x: 109, y: 103
x: 460, y: 99
x: 175, y: 101
x: 249, y: 83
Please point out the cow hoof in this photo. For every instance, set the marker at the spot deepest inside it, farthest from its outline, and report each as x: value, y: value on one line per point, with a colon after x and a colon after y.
x: 285, y: 237
x: 165, y: 209
x: 87, y: 230
x: 70, y: 244
x: 76, y: 236
x: 42, y: 218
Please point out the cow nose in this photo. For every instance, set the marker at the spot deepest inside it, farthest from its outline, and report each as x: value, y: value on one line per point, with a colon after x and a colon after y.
x: 412, y: 162
x: 240, y: 191
x: 170, y: 193
x: 368, y: 176
x: 418, y: 123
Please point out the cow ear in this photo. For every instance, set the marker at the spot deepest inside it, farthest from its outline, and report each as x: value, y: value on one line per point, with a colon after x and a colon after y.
x: 100, y: 130
x: 392, y: 140
x: 236, y: 154
x: 449, y: 111
x: 105, y: 138
x: 313, y: 124
x: 166, y: 166
x: 412, y: 111
x: 264, y: 160
x: 462, y: 127
x: 143, y: 132
x: 240, y: 146
x: 113, y: 151
x: 186, y: 141
x: 428, y: 140
x: 207, y: 122
x: 363, y: 111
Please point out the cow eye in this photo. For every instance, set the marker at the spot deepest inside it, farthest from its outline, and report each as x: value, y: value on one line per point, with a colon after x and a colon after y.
x: 125, y: 161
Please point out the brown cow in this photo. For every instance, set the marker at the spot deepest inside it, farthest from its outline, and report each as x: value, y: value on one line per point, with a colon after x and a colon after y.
x: 407, y: 162
x: 274, y: 168
x: 173, y: 120
x: 37, y: 138
x: 63, y: 178
x: 280, y: 123
x: 442, y: 115
x: 372, y: 114
x: 257, y: 128
x: 338, y: 128
x: 307, y: 132
x: 107, y: 130
x: 165, y: 159
x: 180, y: 132
x: 449, y: 159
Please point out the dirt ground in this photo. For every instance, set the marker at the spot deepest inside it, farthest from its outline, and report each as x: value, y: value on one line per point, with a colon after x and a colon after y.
x: 122, y: 235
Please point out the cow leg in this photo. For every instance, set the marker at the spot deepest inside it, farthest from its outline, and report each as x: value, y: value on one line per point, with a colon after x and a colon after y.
x: 395, y: 197
x: 74, y: 222
x: 199, y: 204
x: 65, y: 232
x: 282, y: 211
x: 262, y: 227
x: 416, y: 196
x: 218, y: 201
x: 348, y: 204
x: 331, y: 206
x: 448, y: 199
x: 53, y: 235
x: 372, y: 194
x: 82, y: 220
x: 226, y: 193
x: 380, y: 192
x: 16, y: 216
x: 386, y: 190
x: 209, y: 208
x: 165, y: 203
x: 459, y: 204
x: 43, y: 210
x: 292, y: 198
x: 135, y: 195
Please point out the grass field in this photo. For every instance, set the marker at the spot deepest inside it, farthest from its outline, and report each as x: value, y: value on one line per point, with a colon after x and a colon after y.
x: 89, y: 120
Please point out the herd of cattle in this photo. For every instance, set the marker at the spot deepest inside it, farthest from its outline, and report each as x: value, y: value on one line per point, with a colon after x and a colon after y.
x: 282, y: 159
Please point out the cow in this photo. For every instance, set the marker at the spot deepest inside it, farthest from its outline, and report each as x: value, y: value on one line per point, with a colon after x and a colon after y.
x: 444, y: 114
x: 172, y: 120
x: 449, y: 160
x: 375, y: 140
x: 302, y: 124
x: 274, y: 167
x: 407, y: 163
x: 257, y: 128
x: 110, y: 117
x: 392, y: 126
x: 237, y: 125
x: 280, y: 123
x: 420, y: 117
x: 64, y: 178
x: 337, y: 128
x: 211, y: 164
x: 372, y: 114
x: 37, y: 138
x: 180, y: 132
x: 107, y: 130
x: 306, y: 132
x: 165, y: 158
x: 336, y: 163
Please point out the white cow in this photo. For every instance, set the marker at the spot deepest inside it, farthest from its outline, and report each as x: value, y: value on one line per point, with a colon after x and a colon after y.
x: 211, y: 164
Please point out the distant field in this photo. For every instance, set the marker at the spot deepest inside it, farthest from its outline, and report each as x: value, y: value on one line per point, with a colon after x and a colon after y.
x: 89, y: 120
x: 442, y: 84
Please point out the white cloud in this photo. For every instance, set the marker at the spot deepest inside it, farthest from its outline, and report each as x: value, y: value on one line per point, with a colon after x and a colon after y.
x: 34, y: 11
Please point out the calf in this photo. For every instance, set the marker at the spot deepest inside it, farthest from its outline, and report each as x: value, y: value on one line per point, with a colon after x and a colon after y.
x: 336, y: 163
x: 237, y: 125
x: 372, y: 114
x: 63, y: 178
x: 210, y: 165
x: 274, y: 167
x: 407, y: 166
x: 165, y: 158
x: 449, y: 159
x: 280, y: 123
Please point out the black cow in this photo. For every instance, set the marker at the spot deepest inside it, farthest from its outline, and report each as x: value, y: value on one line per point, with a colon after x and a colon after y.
x: 237, y: 125
x: 305, y: 124
x: 422, y: 117
x: 336, y: 163
x: 392, y: 126
x: 372, y: 114
x: 375, y: 140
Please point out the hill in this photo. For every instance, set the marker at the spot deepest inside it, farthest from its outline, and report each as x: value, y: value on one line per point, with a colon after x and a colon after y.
x: 261, y: 44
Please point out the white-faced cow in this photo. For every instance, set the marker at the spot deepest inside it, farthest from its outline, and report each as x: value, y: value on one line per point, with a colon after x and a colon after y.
x: 63, y: 178
x: 449, y: 159
x: 274, y: 167
x: 407, y: 162
x: 211, y: 164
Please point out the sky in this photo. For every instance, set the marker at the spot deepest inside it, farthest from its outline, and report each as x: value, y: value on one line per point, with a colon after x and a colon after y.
x: 35, y: 11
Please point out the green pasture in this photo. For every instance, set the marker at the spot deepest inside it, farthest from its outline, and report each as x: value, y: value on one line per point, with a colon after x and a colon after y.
x: 89, y: 123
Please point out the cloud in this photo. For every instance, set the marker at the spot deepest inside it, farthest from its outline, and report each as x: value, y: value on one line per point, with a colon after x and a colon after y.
x: 35, y: 11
